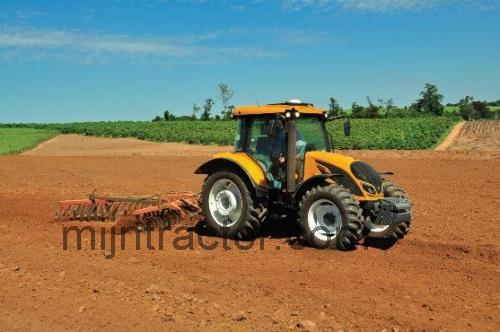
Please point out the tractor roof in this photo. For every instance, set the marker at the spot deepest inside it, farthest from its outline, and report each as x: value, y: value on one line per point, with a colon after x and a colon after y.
x: 277, y: 109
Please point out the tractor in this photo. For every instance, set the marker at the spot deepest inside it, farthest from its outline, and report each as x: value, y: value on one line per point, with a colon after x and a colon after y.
x: 282, y: 167
x: 283, y: 164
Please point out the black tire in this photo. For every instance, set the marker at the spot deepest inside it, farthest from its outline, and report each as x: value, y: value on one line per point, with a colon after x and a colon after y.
x: 248, y: 225
x: 350, y: 212
x: 397, y: 232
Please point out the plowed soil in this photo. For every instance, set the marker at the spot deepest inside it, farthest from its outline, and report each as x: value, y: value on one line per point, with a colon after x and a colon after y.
x: 444, y: 275
x: 483, y: 135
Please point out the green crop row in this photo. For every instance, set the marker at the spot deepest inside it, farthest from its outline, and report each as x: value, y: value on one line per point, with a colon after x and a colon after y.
x: 16, y: 140
x: 388, y: 133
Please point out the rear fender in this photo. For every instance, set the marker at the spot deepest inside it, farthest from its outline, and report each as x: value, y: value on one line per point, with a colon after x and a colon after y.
x: 241, y: 164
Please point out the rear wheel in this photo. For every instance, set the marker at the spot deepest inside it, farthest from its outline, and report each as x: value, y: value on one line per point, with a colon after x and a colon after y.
x: 391, y: 233
x: 330, y: 217
x: 229, y: 208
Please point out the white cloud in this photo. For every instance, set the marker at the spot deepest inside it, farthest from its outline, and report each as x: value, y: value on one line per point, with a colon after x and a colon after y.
x: 386, y: 6
x: 389, y: 5
x: 23, y: 44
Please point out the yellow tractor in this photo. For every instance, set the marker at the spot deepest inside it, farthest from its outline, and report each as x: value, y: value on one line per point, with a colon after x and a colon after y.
x: 283, y: 164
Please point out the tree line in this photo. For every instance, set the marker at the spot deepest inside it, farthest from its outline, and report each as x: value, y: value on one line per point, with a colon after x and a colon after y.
x: 429, y: 103
x: 224, y: 94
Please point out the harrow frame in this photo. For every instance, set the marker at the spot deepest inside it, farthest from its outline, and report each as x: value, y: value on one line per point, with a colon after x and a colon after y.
x: 137, y: 210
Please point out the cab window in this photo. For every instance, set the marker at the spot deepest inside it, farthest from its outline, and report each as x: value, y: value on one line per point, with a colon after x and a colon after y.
x: 267, y: 144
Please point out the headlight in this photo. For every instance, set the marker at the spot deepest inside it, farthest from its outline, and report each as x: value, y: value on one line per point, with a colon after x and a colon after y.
x: 297, y: 114
x: 369, y: 188
x: 288, y: 114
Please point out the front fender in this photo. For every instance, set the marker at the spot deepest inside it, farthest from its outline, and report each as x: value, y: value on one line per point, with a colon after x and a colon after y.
x: 311, y: 182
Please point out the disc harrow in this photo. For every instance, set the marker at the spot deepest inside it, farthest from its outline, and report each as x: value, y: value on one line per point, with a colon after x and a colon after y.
x: 139, y: 211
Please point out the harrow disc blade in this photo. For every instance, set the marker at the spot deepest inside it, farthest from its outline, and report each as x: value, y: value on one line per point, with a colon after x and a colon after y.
x: 143, y: 212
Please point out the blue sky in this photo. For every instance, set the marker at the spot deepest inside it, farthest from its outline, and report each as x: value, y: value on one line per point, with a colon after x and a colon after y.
x: 132, y: 59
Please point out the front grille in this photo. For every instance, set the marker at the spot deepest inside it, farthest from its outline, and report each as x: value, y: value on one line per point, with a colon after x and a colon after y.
x: 366, y: 173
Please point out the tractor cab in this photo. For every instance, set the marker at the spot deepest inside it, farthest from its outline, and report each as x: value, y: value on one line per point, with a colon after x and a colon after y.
x: 280, y: 141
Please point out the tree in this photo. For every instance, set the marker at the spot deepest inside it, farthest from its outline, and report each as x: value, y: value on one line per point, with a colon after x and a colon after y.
x: 157, y: 118
x: 466, y: 109
x: 472, y: 110
x: 357, y: 111
x: 429, y: 101
x: 372, y: 111
x: 230, y: 109
x: 389, y: 104
x: 481, y: 108
x: 225, y: 95
x: 196, y: 109
x: 207, y: 109
x: 167, y: 116
x: 494, y: 103
x: 334, y: 108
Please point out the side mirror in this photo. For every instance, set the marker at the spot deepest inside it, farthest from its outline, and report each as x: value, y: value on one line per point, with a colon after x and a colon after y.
x: 347, y: 128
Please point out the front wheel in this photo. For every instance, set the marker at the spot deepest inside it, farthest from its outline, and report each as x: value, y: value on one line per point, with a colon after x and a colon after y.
x: 229, y: 207
x: 390, y: 233
x: 330, y: 217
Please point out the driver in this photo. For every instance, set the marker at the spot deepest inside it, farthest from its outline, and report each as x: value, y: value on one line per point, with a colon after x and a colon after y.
x: 277, y: 148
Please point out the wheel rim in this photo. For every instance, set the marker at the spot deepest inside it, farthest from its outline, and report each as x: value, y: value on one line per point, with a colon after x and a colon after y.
x: 374, y: 228
x: 324, y: 219
x: 224, y: 202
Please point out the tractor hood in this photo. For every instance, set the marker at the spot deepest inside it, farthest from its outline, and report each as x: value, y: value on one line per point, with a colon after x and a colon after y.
x: 359, y: 177
x: 339, y: 160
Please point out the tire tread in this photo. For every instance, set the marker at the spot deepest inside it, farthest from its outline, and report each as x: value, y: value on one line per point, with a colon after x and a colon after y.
x: 351, y: 228
x: 252, y: 223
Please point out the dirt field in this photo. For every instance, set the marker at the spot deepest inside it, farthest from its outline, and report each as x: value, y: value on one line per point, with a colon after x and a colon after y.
x: 481, y: 135
x: 77, y: 145
x: 444, y: 276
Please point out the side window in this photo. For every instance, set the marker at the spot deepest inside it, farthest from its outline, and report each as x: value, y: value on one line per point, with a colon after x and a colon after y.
x: 256, y: 133
x: 238, y: 141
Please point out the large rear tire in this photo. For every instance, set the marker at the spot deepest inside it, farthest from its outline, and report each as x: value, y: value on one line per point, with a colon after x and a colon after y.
x: 330, y: 217
x: 229, y: 207
x: 393, y: 233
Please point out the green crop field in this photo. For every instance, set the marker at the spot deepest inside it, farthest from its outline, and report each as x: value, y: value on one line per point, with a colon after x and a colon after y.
x: 15, y: 140
x: 393, y: 133
x: 388, y: 133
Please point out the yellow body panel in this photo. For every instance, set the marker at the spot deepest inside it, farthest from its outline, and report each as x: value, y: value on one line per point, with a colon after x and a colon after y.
x: 275, y: 109
x: 340, y: 161
x: 250, y: 166
x: 311, y: 168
